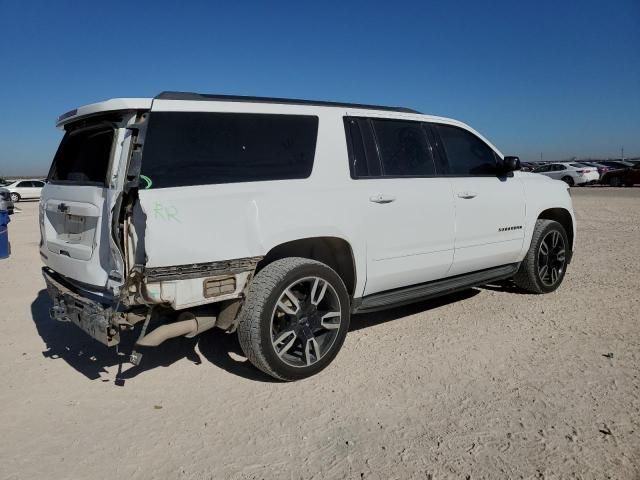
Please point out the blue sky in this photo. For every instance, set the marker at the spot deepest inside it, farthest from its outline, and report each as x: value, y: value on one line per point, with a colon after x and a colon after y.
x: 557, y: 77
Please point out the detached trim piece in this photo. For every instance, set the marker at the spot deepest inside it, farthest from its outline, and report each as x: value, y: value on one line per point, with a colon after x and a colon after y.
x: 198, y: 270
x: 286, y: 101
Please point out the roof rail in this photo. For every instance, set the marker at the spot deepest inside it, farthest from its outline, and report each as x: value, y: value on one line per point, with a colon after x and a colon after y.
x: 289, y: 101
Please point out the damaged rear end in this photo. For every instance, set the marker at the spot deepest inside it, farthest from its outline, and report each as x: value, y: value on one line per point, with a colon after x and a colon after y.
x: 81, y: 214
x: 97, y: 217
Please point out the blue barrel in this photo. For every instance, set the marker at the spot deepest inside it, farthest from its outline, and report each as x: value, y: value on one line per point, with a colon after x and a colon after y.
x: 4, y: 234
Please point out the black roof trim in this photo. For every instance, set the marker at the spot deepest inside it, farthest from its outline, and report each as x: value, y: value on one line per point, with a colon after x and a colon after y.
x: 289, y: 101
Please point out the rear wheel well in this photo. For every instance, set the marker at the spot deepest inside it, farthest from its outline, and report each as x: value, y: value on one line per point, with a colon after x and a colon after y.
x: 563, y: 217
x: 332, y: 251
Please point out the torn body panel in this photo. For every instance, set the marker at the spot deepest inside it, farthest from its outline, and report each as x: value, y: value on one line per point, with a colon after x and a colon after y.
x: 193, y: 292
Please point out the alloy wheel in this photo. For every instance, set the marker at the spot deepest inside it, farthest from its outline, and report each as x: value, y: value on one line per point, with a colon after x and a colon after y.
x: 305, y: 321
x: 551, y: 258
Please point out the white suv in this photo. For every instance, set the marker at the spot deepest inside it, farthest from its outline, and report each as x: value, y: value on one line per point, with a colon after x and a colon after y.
x: 25, y: 189
x: 280, y: 218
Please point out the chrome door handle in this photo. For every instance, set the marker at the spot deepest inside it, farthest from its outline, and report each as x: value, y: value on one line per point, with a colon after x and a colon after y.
x: 467, y: 195
x: 382, y: 198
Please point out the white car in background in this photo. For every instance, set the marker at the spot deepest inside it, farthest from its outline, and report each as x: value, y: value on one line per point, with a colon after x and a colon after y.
x: 25, y: 189
x: 570, y: 173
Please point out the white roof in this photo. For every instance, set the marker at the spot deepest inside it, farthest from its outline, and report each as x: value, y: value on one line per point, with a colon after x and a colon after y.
x: 177, y: 101
x: 111, y: 105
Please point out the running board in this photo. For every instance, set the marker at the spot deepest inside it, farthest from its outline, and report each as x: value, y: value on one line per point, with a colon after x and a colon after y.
x: 423, y: 291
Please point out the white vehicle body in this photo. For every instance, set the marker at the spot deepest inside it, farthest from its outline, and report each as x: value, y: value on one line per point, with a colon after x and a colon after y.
x: 25, y: 189
x: 179, y: 241
x: 572, y: 173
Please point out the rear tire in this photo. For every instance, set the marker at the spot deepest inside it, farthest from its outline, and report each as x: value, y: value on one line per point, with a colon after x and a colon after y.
x: 545, y: 264
x: 568, y: 180
x: 295, y: 318
x: 15, y: 197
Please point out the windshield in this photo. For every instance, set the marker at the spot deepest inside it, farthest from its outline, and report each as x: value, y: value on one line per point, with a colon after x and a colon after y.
x: 83, y: 156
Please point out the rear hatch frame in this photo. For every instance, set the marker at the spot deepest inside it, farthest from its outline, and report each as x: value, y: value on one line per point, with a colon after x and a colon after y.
x: 99, y: 261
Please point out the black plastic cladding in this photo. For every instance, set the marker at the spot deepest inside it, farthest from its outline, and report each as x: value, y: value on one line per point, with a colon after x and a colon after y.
x: 288, y: 101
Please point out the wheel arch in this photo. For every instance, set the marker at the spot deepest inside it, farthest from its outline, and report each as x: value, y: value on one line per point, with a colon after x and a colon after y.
x: 563, y: 217
x: 335, y: 252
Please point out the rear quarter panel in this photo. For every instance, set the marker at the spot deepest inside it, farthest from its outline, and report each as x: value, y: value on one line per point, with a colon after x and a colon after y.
x: 208, y: 223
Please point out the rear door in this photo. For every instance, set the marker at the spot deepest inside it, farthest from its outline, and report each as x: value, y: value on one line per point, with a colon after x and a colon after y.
x: 558, y: 171
x: 408, y: 209
x: 24, y: 189
x: 76, y: 204
x: 489, y: 206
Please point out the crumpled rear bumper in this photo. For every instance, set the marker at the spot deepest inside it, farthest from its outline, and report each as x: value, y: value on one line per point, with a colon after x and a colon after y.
x: 69, y: 305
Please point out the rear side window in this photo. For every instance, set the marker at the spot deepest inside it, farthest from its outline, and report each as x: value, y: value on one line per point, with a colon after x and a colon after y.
x: 363, y: 157
x: 466, y: 153
x: 403, y: 148
x: 83, y: 156
x: 199, y: 148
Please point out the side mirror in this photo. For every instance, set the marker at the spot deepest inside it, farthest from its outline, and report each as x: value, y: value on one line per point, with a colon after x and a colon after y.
x: 511, y: 164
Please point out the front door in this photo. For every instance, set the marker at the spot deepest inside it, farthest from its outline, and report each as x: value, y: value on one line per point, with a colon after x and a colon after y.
x: 489, y: 206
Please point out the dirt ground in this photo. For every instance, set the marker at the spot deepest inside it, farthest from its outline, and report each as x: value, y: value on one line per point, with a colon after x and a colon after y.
x: 488, y: 383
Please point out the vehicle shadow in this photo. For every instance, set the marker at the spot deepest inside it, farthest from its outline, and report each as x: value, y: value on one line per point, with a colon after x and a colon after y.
x: 507, y: 286
x: 91, y: 358
x: 366, y: 320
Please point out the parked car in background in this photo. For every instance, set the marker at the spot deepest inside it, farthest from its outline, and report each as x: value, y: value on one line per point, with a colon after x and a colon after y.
x: 6, y: 204
x: 570, y: 173
x: 25, y: 189
x: 615, y: 164
x: 527, y: 166
x: 602, y: 169
x: 625, y: 176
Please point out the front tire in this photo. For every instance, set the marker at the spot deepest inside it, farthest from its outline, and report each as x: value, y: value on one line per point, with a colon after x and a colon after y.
x: 295, y: 318
x: 545, y: 264
x: 15, y: 198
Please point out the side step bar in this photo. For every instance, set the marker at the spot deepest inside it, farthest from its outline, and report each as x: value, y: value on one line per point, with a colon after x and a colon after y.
x: 423, y: 291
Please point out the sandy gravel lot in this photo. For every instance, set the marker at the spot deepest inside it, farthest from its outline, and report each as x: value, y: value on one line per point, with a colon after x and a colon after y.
x: 485, y: 384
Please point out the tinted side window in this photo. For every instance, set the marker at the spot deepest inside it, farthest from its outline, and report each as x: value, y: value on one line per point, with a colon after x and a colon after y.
x: 403, y: 148
x: 24, y: 185
x: 466, y: 153
x: 200, y: 148
x: 38, y: 184
x: 363, y: 158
